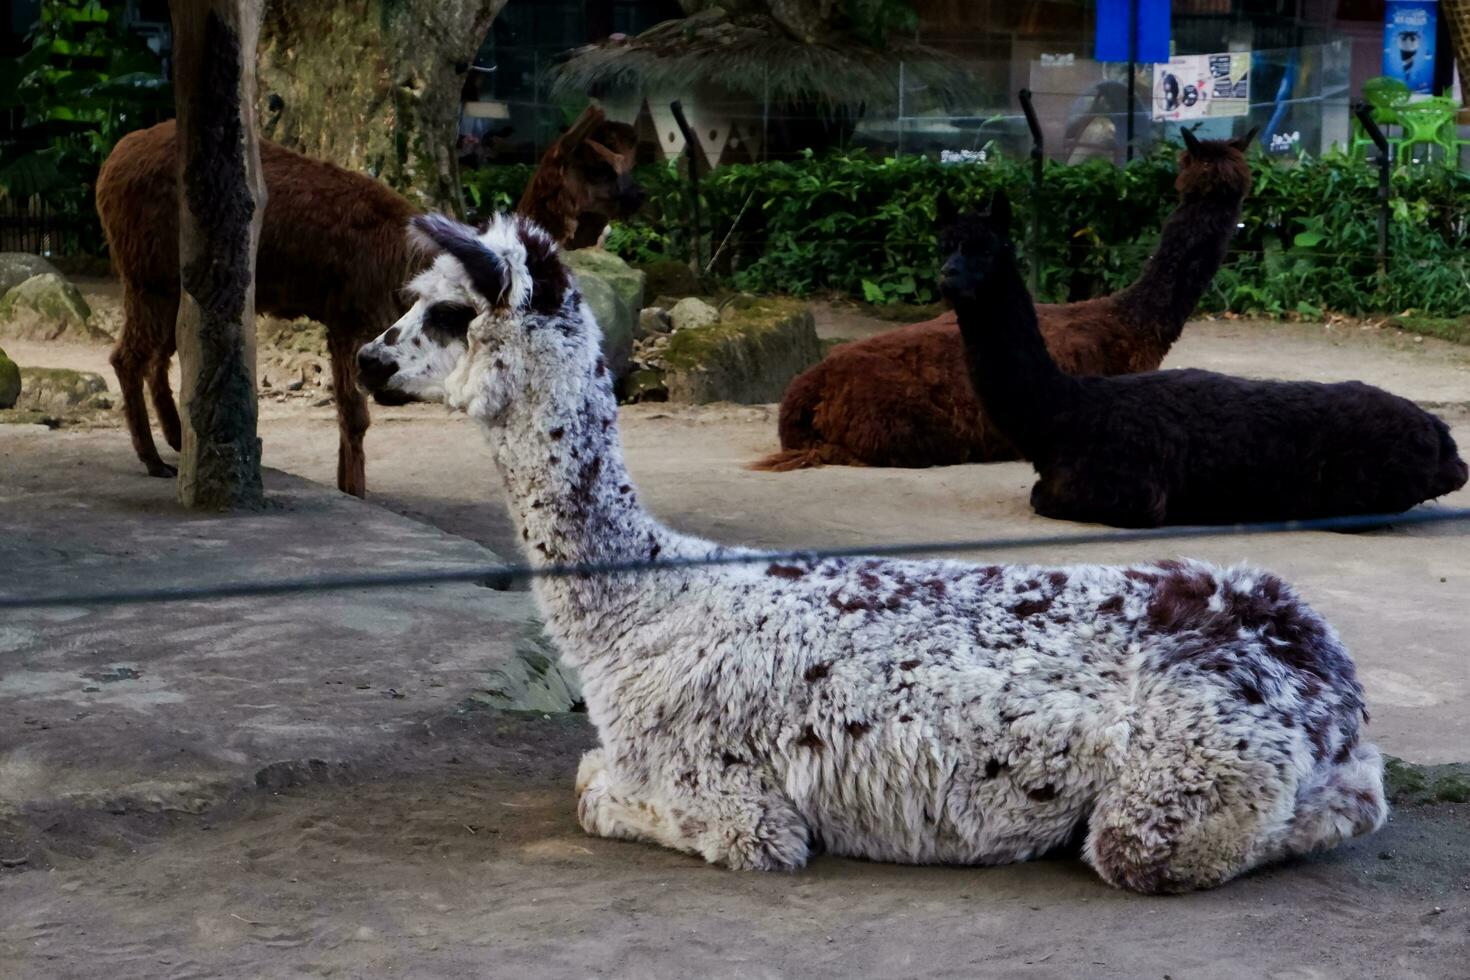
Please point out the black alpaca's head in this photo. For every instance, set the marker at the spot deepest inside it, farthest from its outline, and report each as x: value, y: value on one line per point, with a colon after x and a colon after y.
x: 1214, y: 168
x: 969, y: 244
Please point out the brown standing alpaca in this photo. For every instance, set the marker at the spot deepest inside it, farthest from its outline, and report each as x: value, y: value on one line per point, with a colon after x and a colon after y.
x: 583, y: 179
x: 903, y: 398
x: 332, y: 248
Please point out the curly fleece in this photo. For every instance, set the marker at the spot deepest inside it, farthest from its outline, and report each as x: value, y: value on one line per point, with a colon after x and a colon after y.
x: 1195, y: 721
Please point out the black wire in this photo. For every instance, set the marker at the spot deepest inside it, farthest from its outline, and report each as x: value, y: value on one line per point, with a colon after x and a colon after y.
x: 501, y: 576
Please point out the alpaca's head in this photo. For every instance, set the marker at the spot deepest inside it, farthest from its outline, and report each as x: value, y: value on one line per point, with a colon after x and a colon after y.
x: 1214, y: 168
x: 493, y: 317
x: 970, y: 242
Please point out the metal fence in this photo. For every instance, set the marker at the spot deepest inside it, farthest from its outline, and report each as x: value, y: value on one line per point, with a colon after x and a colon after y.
x: 30, y: 225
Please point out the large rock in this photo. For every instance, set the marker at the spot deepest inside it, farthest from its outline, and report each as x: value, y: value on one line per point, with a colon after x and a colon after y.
x: 670, y: 277
x: 47, y: 307
x: 9, y: 382
x: 691, y: 313
x: 60, y: 391
x: 614, y: 291
x: 653, y: 320
x: 626, y: 280
x: 17, y: 267
x: 749, y: 356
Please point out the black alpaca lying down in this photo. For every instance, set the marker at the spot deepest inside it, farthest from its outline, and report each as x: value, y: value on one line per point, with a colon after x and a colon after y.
x: 1178, y: 447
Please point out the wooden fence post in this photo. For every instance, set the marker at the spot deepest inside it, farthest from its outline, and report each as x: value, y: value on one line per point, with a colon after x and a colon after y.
x: 221, y: 201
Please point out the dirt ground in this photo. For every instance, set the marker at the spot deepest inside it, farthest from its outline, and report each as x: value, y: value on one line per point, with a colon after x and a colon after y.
x: 461, y: 858
x: 457, y: 854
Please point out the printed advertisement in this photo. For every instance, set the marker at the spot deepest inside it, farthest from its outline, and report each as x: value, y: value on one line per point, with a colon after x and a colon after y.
x: 1200, y: 86
x: 1408, y: 43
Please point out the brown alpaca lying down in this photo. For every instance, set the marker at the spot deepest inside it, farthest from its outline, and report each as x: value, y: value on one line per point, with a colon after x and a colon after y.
x: 903, y: 398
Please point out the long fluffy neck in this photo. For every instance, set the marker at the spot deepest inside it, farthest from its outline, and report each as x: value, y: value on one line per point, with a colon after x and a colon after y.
x: 572, y: 501
x: 1015, y: 378
x: 1194, y: 242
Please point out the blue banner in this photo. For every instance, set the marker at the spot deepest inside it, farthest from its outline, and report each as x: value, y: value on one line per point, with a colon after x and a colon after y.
x: 1408, y: 42
x: 1113, y: 28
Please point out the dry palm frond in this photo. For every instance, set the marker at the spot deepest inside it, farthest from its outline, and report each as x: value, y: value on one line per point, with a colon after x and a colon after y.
x: 753, y: 55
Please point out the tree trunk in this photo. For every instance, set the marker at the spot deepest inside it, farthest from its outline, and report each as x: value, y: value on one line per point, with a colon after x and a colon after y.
x: 221, y: 200
x: 373, y: 85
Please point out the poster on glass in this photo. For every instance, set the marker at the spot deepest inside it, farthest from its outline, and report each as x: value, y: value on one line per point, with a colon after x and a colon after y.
x: 1202, y: 86
x: 1408, y: 43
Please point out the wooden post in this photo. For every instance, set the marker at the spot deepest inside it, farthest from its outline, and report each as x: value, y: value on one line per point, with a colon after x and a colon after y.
x: 221, y: 201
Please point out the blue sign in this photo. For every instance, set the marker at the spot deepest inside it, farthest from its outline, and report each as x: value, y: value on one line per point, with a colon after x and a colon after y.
x: 1408, y: 42
x: 1114, y: 25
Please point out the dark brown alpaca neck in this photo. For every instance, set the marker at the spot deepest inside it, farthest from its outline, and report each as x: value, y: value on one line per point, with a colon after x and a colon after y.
x: 1193, y: 244
x: 1017, y: 382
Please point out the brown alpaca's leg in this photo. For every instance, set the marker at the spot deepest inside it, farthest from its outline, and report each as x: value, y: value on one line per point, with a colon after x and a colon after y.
x: 163, y: 396
x: 352, y: 413
x: 143, y: 332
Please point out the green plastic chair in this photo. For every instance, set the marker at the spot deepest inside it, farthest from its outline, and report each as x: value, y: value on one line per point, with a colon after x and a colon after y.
x: 1385, y: 95
x: 1429, y: 122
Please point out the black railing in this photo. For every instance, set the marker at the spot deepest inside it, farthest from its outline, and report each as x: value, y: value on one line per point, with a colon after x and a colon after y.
x: 30, y: 225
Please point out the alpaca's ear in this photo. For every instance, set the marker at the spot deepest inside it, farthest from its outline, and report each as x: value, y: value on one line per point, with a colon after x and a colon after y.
x: 944, y: 209
x: 486, y: 270
x: 1191, y: 141
x: 1000, y: 215
x: 1242, y: 143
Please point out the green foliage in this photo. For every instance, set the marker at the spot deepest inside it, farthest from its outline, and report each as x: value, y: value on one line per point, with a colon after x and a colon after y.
x: 488, y: 190
x: 84, y: 84
x: 864, y: 227
x: 874, y: 20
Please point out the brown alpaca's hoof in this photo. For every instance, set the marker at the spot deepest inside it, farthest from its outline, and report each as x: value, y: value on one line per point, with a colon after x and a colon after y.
x: 162, y: 470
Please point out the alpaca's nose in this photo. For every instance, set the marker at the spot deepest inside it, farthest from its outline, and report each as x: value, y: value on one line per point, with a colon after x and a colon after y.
x: 952, y: 269
x: 374, y: 369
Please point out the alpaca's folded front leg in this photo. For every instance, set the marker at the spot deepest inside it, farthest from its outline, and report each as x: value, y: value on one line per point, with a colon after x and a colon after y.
x: 724, y: 824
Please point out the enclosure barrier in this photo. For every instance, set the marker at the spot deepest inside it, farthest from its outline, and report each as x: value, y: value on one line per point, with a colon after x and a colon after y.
x: 500, y: 577
x: 1364, y: 112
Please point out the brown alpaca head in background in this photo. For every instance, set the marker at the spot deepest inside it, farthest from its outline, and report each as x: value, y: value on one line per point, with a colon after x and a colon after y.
x: 584, y: 180
x: 1214, y: 168
x: 602, y: 166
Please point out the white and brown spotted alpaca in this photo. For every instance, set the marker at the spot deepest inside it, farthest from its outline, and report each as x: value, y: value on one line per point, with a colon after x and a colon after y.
x: 1196, y: 721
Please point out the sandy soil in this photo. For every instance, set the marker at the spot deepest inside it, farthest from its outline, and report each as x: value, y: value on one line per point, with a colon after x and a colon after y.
x: 459, y: 856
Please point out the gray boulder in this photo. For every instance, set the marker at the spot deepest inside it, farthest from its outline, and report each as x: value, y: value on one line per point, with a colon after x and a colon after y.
x: 653, y: 320
x: 9, y: 382
x: 47, y: 307
x: 60, y: 391
x: 17, y: 267
x: 748, y: 355
x: 614, y: 317
x: 614, y: 291
x: 691, y: 312
x: 625, y: 280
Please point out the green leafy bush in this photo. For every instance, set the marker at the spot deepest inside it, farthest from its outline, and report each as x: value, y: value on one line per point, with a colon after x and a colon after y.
x: 488, y: 190
x: 864, y: 226
x: 84, y: 84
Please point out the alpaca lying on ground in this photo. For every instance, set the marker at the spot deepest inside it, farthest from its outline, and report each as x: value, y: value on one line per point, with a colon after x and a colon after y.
x: 1197, y: 721
x: 1178, y: 447
x: 902, y: 398
x: 331, y: 248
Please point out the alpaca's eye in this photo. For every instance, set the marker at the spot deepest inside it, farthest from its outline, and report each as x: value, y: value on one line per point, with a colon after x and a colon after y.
x: 447, y: 322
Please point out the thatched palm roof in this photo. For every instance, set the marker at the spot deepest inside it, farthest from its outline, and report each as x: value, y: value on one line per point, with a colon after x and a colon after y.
x: 752, y: 54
